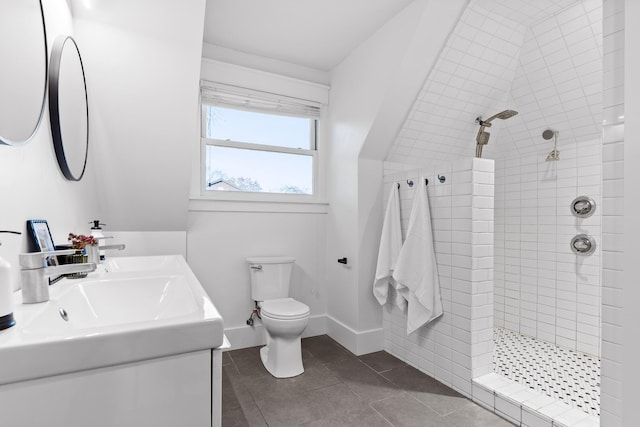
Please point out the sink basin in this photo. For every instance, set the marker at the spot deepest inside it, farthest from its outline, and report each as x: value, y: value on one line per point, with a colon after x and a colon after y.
x: 109, y: 302
x: 148, y: 307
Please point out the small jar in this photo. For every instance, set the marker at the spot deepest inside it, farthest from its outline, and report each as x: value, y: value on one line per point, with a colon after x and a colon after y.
x: 78, y: 258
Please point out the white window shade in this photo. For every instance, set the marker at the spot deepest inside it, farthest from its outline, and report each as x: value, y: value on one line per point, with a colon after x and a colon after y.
x: 248, y: 99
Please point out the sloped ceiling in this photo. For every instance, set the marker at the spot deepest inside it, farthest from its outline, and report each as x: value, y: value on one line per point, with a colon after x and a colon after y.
x: 543, y: 59
x: 314, y: 34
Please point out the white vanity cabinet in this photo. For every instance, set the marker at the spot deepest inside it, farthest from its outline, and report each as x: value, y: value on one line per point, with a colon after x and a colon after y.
x: 138, y: 343
x: 169, y: 391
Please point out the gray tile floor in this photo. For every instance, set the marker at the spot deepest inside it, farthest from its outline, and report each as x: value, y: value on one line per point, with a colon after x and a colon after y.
x: 340, y: 389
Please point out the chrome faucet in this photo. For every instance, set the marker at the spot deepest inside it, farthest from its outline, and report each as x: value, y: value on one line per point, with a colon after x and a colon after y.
x: 34, y: 273
x: 103, y: 248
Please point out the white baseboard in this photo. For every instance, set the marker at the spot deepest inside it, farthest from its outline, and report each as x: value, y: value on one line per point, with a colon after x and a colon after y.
x: 246, y: 336
x: 358, y: 343
x: 251, y: 336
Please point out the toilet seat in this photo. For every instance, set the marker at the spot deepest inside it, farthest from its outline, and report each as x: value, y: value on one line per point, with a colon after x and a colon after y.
x: 284, y: 309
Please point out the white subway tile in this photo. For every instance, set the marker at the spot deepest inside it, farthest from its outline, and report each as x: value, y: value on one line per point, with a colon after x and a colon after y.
x: 571, y: 417
x: 508, y: 407
x: 531, y: 418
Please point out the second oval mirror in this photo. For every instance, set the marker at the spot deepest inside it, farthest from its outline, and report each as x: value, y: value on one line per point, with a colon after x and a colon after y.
x: 68, y: 108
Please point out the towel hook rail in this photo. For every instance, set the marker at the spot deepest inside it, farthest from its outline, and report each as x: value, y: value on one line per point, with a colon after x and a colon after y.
x: 426, y: 181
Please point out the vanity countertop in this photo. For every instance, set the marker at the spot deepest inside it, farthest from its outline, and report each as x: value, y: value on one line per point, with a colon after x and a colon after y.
x: 130, y: 309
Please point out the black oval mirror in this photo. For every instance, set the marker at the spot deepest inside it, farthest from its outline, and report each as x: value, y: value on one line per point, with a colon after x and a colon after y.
x: 25, y: 58
x: 68, y: 108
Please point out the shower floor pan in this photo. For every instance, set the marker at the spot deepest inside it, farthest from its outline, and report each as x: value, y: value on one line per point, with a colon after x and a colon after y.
x: 540, y: 384
x: 569, y: 376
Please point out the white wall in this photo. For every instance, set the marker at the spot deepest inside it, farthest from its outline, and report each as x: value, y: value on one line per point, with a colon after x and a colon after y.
x: 262, y: 63
x: 218, y: 241
x: 32, y: 186
x: 222, y: 233
x: 627, y: 206
x: 148, y: 243
x: 358, y: 86
x: 368, y: 84
x: 619, y: 328
x: 557, y: 84
x: 142, y: 61
x: 542, y: 288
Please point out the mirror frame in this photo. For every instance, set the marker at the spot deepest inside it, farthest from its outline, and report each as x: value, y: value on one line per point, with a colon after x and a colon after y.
x: 54, y: 107
x: 7, y: 141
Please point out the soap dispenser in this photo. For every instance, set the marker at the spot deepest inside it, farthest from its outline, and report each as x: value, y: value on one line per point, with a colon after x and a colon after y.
x: 6, y: 309
x: 96, y: 232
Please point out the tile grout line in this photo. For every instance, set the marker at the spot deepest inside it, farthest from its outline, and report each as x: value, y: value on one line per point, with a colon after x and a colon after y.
x: 377, y: 412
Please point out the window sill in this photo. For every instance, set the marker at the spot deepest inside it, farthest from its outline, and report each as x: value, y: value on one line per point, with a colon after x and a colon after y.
x: 203, y: 204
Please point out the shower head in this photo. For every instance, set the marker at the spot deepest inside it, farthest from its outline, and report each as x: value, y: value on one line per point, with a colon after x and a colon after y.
x: 503, y: 115
x: 506, y: 114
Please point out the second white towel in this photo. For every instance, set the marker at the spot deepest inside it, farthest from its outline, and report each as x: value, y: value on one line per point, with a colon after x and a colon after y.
x: 416, y: 267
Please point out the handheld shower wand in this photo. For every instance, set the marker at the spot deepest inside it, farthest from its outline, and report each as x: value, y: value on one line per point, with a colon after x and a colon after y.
x: 482, y: 138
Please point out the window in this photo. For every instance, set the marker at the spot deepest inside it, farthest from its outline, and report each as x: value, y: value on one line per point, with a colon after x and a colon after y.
x: 254, y: 142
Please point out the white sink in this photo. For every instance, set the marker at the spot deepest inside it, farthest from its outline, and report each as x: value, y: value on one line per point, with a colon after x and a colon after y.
x: 145, y: 307
x: 109, y: 302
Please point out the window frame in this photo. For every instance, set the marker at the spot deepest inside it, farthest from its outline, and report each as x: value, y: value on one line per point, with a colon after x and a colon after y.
x: 251, y: 195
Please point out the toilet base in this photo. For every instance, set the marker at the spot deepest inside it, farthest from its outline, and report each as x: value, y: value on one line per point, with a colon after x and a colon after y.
x: 282, y: 357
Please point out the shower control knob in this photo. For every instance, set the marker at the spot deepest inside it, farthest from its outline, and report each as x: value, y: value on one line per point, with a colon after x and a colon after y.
x: 583, y: 244
x: 583, y: 206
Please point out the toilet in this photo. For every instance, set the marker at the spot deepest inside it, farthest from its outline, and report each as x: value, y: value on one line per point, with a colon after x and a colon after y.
x: 283, y: 317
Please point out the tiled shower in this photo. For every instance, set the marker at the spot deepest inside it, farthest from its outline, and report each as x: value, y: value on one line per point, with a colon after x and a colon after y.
x: 544, y: 60
x: 542, y: 289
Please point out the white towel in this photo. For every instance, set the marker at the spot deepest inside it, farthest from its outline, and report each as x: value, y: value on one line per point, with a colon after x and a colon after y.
x: 416, y: 265
x: 390, y: 244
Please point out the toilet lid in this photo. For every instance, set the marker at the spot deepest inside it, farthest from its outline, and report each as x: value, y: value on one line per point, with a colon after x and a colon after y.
x: 284, y: 308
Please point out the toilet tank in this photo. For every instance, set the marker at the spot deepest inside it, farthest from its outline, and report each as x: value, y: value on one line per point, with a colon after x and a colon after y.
x: 270, y: 277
